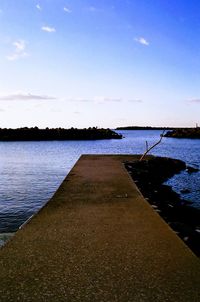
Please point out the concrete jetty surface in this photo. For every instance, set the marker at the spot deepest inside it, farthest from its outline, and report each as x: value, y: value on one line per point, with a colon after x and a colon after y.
x: 98, y: 239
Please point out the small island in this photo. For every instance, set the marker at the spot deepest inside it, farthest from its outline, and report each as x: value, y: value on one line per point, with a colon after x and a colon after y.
x: 36, y: 134
x: 184, y: 133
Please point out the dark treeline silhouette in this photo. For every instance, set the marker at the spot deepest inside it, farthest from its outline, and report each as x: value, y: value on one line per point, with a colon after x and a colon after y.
x: 36, y: 134
x: 144, y: 128
x: 184, y: 133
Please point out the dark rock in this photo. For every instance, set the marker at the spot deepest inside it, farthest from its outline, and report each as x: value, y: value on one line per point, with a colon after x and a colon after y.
x: 185, y: 191
x: 191, y: 169
x: 184, y: 133
x: 156, y: 169
x: 36, y: 134
x: 182, y: 228
x: 150, y: 175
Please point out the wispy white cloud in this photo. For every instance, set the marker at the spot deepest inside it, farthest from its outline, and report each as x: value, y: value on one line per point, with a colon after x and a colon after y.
x: 94, y: 9
x: 97, y: 99
x: 38, y: 7
x: 142, y: 41
x: 25, y: 97
x: 103, y: 99
x: 19, y: 51
x: 195, y: 100
x: 81, y: 100
x: 20, y: 45
x: 48, y: 29
x: 67, y: 10
x: 135, y: 101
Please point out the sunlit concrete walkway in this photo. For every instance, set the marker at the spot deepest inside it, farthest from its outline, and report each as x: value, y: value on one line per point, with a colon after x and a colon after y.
x: 98, y: 240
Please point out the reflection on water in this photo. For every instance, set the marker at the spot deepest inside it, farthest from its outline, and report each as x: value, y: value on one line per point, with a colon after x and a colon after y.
x: 32, y: 171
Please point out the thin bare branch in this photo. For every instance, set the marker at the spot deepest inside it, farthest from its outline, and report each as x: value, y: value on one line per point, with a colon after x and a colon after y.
x: 150, y: 148
x: 146, y: 145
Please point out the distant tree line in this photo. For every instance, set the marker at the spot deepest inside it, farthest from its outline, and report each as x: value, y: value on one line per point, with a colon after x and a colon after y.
x: 36, y: 134
x: 144, y: 128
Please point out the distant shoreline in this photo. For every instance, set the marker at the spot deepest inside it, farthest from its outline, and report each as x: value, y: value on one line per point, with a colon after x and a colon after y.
x: 149, y: 128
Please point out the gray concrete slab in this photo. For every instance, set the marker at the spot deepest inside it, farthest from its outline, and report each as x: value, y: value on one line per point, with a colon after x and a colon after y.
x: 98, y: 239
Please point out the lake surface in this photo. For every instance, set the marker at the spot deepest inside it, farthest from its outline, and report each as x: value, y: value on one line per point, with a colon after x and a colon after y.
x: 32, y: 171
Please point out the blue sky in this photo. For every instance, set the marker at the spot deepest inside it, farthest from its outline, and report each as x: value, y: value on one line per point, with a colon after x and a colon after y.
x: 99, y: 63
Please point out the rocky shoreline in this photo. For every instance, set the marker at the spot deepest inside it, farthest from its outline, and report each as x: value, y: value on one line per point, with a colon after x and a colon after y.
x: 149, y: 175
x: 48, y: 134
x: 193, y: 133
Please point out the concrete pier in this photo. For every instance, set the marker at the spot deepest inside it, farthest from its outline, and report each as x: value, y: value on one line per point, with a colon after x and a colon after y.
x: 98, y: 239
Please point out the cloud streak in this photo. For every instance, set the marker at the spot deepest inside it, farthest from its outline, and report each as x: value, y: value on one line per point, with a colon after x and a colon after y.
x: 93, y: 9
x: 142, y: 41
x: 25, y: 97
x: 38, y: 7
x: 48, y: 29
x: 19, y: 51
x: 197, y: 101
x: 67, y: 10
x: 102, y: 100
x: 81, y: 100
x: 135, y: 101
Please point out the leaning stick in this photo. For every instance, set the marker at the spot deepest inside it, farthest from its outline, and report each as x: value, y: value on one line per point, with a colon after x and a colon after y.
x: 150, y: 148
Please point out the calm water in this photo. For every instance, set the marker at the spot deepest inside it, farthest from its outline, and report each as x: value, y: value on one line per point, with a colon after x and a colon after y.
x: 32, y: 171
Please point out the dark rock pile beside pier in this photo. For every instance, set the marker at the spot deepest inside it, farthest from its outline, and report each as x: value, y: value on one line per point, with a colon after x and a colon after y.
x: 184, y: 133
x: 149, y: 175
